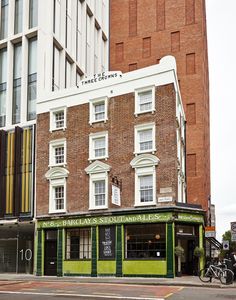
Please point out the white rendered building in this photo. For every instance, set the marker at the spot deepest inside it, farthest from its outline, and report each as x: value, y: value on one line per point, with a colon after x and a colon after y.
x: 47, y: 45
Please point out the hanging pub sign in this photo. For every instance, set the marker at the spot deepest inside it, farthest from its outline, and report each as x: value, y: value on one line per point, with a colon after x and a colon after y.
x: 115, y: 197
x: 107, y: 242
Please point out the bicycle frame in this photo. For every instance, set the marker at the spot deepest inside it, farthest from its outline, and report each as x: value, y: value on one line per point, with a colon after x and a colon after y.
x: 215, y: 271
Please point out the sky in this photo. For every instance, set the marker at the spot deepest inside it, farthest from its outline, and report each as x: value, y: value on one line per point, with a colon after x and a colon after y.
x: 221, y: 24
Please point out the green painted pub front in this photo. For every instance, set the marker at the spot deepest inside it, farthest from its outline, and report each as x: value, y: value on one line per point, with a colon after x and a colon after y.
x: 132, y: 244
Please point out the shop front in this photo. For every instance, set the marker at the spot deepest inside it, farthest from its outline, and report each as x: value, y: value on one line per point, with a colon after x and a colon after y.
x: 116, y: 245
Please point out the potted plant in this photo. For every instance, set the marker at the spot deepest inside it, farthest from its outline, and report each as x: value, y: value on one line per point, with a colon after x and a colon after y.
x: 179, y: 252
x: 198, y: 253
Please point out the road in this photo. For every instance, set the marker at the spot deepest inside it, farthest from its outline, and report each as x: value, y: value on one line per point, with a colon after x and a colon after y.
x: 50, y: 290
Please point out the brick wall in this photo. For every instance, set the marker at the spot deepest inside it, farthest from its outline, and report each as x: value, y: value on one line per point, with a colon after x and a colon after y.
x: 175, y: 28
x: 120, y: 127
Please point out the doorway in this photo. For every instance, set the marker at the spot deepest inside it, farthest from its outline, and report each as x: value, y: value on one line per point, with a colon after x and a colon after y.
x: 50, y: 253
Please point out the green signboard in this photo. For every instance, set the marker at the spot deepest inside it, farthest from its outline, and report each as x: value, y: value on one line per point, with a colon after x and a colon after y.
x: 106, y: 220
x: 125, y: 219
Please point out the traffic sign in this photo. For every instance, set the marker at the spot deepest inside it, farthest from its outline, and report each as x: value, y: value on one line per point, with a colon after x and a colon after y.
x: 225, y: 245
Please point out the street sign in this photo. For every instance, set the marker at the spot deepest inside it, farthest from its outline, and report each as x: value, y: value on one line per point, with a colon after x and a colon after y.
x: 233, y: 231
x: 225, y: 245
x: 210, y: 231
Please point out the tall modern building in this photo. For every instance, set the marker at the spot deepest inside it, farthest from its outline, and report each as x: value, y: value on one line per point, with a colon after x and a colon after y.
x: 45, y: 46
x: 141, y: 32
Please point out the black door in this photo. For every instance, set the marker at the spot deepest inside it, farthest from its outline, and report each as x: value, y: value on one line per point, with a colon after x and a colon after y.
x: 50, y: 258
x: 191, y: 267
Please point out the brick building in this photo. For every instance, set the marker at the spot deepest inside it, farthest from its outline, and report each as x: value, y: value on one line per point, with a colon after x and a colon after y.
x: 143, y: 31
x: 111, y: 188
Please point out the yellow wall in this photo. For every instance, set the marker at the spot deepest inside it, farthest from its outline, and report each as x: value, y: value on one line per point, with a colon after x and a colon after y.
x: 106, y: 267
x: 146, y: 267
x: 77, y: 267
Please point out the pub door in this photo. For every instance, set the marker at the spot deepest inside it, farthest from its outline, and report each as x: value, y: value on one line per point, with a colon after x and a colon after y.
x: 50, y: 253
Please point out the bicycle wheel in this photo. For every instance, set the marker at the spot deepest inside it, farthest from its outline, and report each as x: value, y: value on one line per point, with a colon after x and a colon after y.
x: 205, y: 275
x: 226, y: 276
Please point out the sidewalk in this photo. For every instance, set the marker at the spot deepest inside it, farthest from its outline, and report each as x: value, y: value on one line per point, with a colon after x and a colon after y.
x: 177, y: 281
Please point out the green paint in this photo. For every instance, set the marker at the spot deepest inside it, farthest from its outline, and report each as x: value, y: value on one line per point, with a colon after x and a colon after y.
x: 94, y: 252
x: 170, y: 249
x: 107, y: 220
x: 39, y: 252
x: 59, y: 252
x: 145, y: 267
x: 202, y: 259
x: 192, y: 218
x: 119, y: 251
x: 78, y: 267
x: 106, y: 267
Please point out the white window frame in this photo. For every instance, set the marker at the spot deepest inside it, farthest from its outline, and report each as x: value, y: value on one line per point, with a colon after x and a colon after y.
x: 144, y: 165
x: 92, y: 138
x: 137, y: 100
x: 57, y: 177
x: 52, y: 146
x: 97, y: 171
x: 52, y: 205
x: 137, y: 130
x: 53, y: 120
x: 92, y: 104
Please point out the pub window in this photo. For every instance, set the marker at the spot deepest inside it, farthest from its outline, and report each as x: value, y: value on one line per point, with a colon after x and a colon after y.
x: 78, y: 243
x: 145, y: 241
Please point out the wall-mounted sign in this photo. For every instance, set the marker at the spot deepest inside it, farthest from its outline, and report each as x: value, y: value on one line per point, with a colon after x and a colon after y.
x: 99, y: 77
x: 115, y: 197
x: 107, y: 242
x: 106, y: 220
x: 165, y: 199
x: 233, y: 231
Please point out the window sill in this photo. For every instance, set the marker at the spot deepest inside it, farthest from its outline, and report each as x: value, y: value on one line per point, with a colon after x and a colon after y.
x: 57, y: 129
x: 153, y: 151
x: 98, y: 158
x: 57, y: 165
x: 98, y: 121
x: 57, y: 211
x: 98, y: 208
x: 136, y: 114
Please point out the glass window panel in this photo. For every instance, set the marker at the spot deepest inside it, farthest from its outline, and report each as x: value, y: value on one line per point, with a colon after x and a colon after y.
x: 3, y: 65
x: 3, y: 86
x: 99, y: 111
x: 59, y: 155
x: 99, y: 147
x: 16, y: 103
x: 145, y: 241
x: 32, y: 78
x: 146, y: 188
x: 145, y: 140
x: 59, y: 119
x: 78, y: 243
x: 4, y: 19
x: 33, y: 13
x: 59, y: 197
x: 99, y: 192
x: 18, y: 16
x: 145, y: 100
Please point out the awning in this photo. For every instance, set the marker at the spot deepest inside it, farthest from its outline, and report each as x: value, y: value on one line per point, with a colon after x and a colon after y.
x: 213, y: 241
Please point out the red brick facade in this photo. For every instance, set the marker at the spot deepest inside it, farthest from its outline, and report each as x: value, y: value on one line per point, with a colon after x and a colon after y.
x: 120, y: 127
x: 143, y: 31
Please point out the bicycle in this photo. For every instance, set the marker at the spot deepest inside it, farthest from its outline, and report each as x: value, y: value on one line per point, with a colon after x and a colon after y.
x: 226, y: 276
